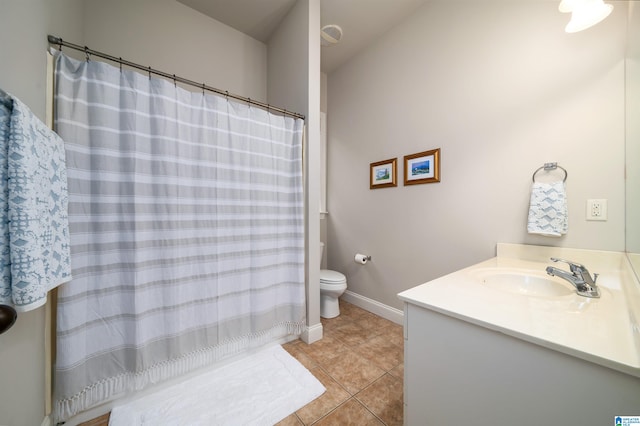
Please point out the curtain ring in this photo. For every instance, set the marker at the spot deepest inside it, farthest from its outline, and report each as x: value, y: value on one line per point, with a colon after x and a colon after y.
x: 86, y: 53
x: 203, y: 87
x: 120, y: 64
x: 149, y: 73
x: 226, y: 94
x: 60, y: 45
x: 174, y: 81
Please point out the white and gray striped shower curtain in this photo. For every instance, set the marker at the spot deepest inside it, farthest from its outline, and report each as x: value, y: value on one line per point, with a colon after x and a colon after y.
x: 187, y: 231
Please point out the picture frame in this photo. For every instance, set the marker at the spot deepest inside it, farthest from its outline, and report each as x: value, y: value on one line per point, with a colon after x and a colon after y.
x: 422, y: 167
x: 383, y: 174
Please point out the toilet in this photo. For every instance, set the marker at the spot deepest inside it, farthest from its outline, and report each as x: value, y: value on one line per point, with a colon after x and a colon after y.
x: 332, y: 285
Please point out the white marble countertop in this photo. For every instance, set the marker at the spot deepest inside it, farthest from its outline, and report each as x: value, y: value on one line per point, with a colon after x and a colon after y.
x: 602, y: 330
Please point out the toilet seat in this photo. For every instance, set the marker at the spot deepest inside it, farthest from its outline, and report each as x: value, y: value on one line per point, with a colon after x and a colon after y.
x: 330, y: 277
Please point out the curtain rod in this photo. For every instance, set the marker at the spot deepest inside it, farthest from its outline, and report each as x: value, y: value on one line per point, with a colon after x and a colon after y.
x: 58, y: 41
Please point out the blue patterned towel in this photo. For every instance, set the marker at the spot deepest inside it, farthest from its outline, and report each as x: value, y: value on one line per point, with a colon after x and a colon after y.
x: 34, y: 227
x: 548, y: 212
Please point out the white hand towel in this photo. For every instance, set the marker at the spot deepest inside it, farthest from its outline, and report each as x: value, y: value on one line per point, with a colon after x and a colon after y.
x: 548, y: 213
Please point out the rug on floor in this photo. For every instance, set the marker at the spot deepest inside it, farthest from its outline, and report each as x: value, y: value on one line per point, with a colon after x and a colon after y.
x: 260, y: 389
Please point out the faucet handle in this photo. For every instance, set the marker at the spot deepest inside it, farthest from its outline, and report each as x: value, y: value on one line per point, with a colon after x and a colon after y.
x: 573, y: 265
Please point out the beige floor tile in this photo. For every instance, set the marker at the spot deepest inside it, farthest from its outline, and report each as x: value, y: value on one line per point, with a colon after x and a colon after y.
x: 352, y: 312
x: 294, y: 342
x: 333, y: 323
x: 297, y: 352
x: 374, y: 322
x: 325, y: 403
x: 353, y: 334
x: 350, y: 413
x: 353, y: 372
x: 398, y: 371
x: 98, y: 421
x: 384, y: 399
x: 291, y: 420
x: 394, y: 334
x: 325, y: 350
x: 381, y: 352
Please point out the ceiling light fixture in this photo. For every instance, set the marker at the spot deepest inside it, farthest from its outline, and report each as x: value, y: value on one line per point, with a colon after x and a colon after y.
x: 584, y: 13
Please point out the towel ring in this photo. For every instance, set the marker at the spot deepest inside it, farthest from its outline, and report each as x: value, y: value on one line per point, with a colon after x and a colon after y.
x: 551, y: 166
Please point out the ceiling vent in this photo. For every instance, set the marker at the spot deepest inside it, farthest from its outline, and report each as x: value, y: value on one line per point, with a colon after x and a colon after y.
x: 331, y: 34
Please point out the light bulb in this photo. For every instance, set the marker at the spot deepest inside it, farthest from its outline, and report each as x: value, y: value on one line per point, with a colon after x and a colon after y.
x: 585, y: 13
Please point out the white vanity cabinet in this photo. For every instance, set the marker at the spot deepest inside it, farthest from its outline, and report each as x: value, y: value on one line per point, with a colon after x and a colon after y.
x: 461, y: 373
x: 526, y: 352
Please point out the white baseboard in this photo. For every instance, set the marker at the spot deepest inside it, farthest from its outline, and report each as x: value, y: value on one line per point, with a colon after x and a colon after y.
x: 375, y: 307
x: 312, y: 333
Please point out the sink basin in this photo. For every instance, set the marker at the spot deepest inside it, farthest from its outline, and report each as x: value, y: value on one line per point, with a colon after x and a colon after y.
x: 526, y: 283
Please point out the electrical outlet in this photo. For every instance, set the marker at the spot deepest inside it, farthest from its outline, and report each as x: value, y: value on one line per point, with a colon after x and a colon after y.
x: 597, y: 209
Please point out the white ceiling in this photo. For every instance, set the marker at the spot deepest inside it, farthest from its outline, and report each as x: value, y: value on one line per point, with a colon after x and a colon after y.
x: 362, y: 21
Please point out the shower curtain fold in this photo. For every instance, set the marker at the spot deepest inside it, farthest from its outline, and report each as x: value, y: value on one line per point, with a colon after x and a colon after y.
x: 186, y: 221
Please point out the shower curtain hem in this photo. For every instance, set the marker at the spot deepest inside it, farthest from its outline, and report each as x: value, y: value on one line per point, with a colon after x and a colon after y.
x: 114, y: 387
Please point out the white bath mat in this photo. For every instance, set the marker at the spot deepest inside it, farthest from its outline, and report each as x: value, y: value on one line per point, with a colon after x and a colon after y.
x: 261, y: 389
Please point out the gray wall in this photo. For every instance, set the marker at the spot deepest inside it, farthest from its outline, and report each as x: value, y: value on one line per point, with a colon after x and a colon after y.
x: 161, y: 33
x: 24, y: 25
x: 501, y: 89
x: 174, y: 38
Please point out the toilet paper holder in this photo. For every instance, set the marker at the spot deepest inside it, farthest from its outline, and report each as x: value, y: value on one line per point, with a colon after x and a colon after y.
x: 361, y: 258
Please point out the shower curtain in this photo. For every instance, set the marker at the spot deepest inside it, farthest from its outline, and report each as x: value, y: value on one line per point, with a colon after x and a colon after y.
x: 187, y: 231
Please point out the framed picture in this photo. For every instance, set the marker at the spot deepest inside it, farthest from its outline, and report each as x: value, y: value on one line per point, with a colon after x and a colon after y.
x: 383, y: 174
x: 423, y: 167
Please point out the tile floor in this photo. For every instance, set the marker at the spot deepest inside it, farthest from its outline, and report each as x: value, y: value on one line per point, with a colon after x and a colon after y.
x: 360, y: 363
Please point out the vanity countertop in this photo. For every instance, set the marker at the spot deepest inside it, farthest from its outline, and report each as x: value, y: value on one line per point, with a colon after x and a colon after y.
x: 602, y: 330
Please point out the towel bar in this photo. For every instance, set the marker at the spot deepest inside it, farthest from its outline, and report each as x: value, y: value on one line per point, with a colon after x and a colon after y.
x: 550, y: 166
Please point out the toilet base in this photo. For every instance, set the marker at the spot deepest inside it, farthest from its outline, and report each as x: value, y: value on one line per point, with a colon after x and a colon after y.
x: 329, y: 306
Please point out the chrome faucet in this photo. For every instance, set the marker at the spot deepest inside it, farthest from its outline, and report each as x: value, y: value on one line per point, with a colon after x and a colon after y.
x: 579, y: 277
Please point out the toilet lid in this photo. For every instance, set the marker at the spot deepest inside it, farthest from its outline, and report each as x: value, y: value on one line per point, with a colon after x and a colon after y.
x: 331, y: 277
